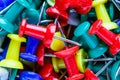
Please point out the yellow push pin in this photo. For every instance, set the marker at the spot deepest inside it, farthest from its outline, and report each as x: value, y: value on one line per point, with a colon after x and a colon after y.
x: 56, y: 44
x: 12, y: 56
x: 58, y: 64
x: 102, y: 14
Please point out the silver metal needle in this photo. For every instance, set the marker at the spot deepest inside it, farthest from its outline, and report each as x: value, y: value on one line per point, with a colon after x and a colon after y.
x: 103, y: 68
x: 67, y: 40
x: 41, y: 12
x: 101, y: 59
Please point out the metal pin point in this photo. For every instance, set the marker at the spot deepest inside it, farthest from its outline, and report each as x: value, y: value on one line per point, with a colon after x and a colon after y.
x: 45, y: 21
x: 103, y: 68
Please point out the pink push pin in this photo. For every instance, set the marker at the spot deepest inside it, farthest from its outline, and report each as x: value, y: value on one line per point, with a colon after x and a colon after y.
x: 68, y: 56
x: 107, y: 36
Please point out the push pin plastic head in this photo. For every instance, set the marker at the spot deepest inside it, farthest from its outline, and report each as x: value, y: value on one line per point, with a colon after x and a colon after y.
x: 45, y: 34
x: 107, y: 36
x: 58, y: 64
x: 12, y: 61
x: 29, y: 54
x: 28, y: 75
x: 42, y: 33
x: 3, y: 74
x: 100, y: 10
x: 7, y: 20
x: 47, y: 71
x: 89, y: 75
x: 82, y: 30
x: 56, y: 44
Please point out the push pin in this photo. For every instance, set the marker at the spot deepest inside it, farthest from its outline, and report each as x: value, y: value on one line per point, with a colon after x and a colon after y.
x: 47, y: 71
x: 89, y: 75
x: 41, y: 33
x: 91, y: 41
x: 111, y: 39
x: 115, y: 70
x: 81, y: 59
x: 102, y: 14
x: 12, y: 61
x: 31, y: 48
x: 58, y: 64
x: 28, y: 75
x: 82, y: 7
x: 7, y: 20
x: 70, y: 63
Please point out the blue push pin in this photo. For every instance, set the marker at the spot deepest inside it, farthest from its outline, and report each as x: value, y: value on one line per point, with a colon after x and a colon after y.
x: 31, y: 48
x: 28, y: 75
x: 3, y: 55
x: 5, y: 3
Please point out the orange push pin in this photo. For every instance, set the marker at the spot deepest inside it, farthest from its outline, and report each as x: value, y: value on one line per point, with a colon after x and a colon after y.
x: 12, y: 56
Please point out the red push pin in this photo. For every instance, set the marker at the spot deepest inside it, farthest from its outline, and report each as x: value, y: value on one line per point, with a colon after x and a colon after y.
x: 107, y: 36
x: 43, y: 33
x: 47, y: 72
x: 68, y: 56
x: 61, y: 6
x: 89, y: 75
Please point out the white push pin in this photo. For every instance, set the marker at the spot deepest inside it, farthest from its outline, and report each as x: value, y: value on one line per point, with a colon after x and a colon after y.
x: 3, y: 74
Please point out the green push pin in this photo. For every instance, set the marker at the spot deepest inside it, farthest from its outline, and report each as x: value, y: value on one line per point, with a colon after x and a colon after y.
x: 7, y: 20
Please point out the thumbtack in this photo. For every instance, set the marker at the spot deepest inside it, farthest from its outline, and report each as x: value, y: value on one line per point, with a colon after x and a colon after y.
x: 31, y: 48
x: 12, y: 61
x: 41, y: 33
x: 70, y: 63
x: 7, y: 20
x: 81, y: 60
x: 115, y: 70
x: 47, y: 71
x: 58, y: 64
x: 89, y: 75
x: 104, y: 34
x: 100, y: 10
x: 3, y: 73
x: 82, y: 30
x: 28, y: 75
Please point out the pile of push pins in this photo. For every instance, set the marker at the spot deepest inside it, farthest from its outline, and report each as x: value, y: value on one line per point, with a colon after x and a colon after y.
x: 59, y: 40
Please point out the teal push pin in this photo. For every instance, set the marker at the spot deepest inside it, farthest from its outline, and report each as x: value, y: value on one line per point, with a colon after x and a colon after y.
x: 11, y: 15
x: 82, y: 30
x: 115, y: 71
